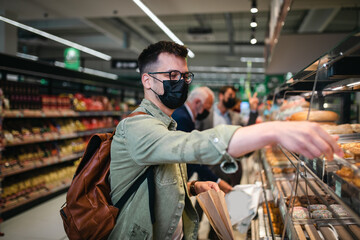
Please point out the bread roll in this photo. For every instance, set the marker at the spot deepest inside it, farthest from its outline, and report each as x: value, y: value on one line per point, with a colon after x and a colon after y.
x: 338, y: 129
x: 315, y: 116
x: 356, y: 127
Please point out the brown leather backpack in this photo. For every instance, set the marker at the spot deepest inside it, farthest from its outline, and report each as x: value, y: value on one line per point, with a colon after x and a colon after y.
x: 88, y: 212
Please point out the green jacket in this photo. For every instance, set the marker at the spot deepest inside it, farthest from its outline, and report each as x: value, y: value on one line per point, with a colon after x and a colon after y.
x: 152, y: 139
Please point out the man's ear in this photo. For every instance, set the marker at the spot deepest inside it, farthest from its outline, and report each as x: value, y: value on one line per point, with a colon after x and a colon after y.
x: 145, y: 79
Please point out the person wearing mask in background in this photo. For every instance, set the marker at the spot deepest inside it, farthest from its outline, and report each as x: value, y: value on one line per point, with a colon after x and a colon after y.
x: 150, y: 141
x: 222, y: 113
x: 198, y: 106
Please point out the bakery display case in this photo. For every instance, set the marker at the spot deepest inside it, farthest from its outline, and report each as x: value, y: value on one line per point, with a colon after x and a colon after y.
x: 48, y: 115
x: 317, y: 198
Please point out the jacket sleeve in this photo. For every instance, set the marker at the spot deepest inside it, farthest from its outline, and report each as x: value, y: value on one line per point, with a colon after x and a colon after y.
x: 252, y: 118
x: 205, y: 174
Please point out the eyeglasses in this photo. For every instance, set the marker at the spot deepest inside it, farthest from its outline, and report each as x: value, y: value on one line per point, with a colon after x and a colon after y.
x: 176, y: 75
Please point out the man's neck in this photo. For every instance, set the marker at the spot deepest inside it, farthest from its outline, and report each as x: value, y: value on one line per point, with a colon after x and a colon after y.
x: 222, y: 108
x: 158, y: 103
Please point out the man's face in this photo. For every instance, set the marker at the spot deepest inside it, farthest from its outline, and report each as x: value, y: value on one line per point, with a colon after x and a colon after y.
x: 229, y: 93
x: 208, y: 103
x: 166, y: 62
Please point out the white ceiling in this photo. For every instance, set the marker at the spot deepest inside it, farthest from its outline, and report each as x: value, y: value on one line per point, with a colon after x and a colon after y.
x: 119, y: 28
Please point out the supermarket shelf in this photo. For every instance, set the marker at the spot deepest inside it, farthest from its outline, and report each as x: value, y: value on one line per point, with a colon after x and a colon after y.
x: 58, y: 113
x: 56, y: 136
x: 29, y: 201
x: 38, y: 164
x: 279, y: 199
x: 313, y: 182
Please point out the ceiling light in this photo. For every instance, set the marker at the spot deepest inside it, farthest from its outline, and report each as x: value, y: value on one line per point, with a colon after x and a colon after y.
x: 337, y: 88
x: 27, y: 56
x: 254, y: 8
x: 252, y: 59
x: 353, y: 84
x: 57, y: 39
x: 163, y: 27
x: 90, y: 71
x: 253, y: 23
x: 253, y: 40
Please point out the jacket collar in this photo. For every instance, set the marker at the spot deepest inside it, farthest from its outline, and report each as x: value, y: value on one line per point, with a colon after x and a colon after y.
x: 151, y: 108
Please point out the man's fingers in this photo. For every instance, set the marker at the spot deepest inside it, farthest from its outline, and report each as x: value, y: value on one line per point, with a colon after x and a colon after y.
x: 255, y: 95
x: 331, y: 140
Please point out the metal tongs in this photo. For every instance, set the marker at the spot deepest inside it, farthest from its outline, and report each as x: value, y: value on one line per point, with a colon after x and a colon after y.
x: 342, y: 161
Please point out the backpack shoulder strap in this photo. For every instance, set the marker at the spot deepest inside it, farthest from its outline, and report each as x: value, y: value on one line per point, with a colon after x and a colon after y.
x: 149, y: 175
x: 136, y: 113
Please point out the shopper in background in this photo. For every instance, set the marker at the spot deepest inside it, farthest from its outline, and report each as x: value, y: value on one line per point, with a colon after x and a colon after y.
x: 197, y: 106
x: 152, y: 139
x: 222, y: 113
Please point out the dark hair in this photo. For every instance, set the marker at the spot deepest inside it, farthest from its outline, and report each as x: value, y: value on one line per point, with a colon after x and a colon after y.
x: 223, y: 89
x: 150, y: 54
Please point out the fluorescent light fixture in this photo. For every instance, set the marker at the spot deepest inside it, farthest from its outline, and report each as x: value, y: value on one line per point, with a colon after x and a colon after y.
x: 337, y: 88
x: 225, y: 69
x: 90, y: 71
x: 163, y: 27
x: 308, y: 94
x: 99, y: 73
x: 252, y: 59
x: 353, y: 84
x: 27, y: 56
x: 57, y: 39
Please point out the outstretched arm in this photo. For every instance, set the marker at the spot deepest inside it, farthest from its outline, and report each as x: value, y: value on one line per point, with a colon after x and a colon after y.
x: 306, y: 138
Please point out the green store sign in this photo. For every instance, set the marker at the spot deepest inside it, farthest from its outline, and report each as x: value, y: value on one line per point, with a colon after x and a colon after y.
x: 72, y: 58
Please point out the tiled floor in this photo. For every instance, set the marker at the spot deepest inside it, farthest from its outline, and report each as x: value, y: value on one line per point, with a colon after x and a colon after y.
x: 42, y: 222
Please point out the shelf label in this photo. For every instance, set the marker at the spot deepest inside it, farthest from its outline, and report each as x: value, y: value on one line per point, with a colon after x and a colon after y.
x: 276, y: 196
x: 338, y: 188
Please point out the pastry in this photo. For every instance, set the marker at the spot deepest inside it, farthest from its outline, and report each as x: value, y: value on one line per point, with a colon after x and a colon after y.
x: 321, y: 214
x: 300, y: 213
x: 315, y: 207
x: 339, y: 210
x: 356, y: 182
x: 276, y: 170
x: 355, y: 127
x: 345, y: 172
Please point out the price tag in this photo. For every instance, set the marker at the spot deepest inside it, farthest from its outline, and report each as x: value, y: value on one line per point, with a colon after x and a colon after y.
x: 338, y: 188
x: 276, y: 195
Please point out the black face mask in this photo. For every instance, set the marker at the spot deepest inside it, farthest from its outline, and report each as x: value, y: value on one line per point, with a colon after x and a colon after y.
x: 175, y: 93
x: 203, y: 115
x: 229, y: 103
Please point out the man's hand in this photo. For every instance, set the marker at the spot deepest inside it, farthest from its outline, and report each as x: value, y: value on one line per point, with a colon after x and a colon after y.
x: 253, y: 101
x: 206, y: 186
x: 224, y: 186
x: 308, y: 139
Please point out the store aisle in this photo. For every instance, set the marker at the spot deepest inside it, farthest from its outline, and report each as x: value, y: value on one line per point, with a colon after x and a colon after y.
x: 42, y: 222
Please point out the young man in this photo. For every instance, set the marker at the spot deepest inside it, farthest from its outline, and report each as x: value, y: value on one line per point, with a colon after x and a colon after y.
x: 150, y: 139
